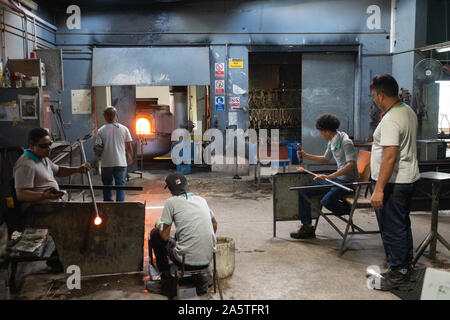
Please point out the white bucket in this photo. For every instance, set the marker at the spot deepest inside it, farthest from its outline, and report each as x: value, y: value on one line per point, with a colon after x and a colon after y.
x: 225, y: 257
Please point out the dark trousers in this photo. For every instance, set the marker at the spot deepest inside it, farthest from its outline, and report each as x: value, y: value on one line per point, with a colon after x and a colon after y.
x: 395, y: 224
x: 119, y: 176
x: 332, y: 200
x: 165, y: 249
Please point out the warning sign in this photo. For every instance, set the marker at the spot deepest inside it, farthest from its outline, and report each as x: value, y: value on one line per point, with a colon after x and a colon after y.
x: 220, y: 86
x: 236, y: 63
x: 220, y: 103
x: 219, y: 70
x: 235, y: 103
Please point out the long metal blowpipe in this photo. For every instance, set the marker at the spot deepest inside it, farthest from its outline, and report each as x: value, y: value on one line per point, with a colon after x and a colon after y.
x: 97, y: 220
x: 301, y: 169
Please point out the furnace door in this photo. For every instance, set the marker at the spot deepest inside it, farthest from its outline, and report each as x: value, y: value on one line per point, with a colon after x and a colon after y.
x: 328, y: 86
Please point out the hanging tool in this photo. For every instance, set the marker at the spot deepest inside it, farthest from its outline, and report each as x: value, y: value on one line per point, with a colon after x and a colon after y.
x: 59, y: 122
x: 301, y: 169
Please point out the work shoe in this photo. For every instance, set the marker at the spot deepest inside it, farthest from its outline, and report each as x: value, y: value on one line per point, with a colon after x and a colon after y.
x: 399, y: 279
x: 305, y: 232
x: 168, y: 286
x: 153, y: 286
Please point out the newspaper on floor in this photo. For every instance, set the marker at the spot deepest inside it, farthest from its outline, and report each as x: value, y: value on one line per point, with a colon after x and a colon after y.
x: 31, y: 240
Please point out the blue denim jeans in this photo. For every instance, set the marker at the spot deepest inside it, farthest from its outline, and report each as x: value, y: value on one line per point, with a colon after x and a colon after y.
x: 119, y: 175
x: 395, y: 224
x: 332, y: 200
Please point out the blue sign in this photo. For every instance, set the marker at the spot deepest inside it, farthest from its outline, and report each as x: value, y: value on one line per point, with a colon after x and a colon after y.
x: 220, y: 103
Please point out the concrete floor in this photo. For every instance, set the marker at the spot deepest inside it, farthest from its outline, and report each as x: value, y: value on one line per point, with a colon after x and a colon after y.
x: 265, y: 267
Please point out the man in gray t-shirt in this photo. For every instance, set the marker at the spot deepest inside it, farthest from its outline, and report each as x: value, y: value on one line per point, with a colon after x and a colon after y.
x: 195, y: 229
x: 341, y: 148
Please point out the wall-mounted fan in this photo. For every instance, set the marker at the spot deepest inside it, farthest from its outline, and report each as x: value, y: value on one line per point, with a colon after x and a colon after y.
x: 427, y: 71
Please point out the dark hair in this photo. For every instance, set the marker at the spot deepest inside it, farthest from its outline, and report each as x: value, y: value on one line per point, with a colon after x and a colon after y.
x: 327, y: 122
x: 386, y: 84
x: 35, y: 135
x: 110, y: 113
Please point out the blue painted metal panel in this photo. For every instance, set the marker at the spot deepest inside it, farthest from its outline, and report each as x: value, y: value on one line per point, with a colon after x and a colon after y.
x: 302, y: 25
x: 150, y: 66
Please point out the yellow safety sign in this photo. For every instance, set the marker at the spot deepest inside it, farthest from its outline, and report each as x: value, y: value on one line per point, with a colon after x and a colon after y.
x: 236, y: 63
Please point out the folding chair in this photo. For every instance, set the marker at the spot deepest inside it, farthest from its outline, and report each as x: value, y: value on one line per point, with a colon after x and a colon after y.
x: 354, y: 200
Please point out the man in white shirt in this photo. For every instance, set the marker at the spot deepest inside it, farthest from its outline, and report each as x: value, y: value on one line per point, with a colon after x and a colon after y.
x: 395, y: 168
x: 114, y: 140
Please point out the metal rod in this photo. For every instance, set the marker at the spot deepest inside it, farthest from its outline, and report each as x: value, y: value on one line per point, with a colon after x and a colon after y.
x: 328, y: 180
x: 137, y: 33
x: 21, y: 36
x: 89, y: 179
x: 83, y: 187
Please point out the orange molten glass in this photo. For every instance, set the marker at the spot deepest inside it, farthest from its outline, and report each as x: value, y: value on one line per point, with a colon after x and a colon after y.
x: 98, y: 221
x: 300, y: 169
x: 143, y: 126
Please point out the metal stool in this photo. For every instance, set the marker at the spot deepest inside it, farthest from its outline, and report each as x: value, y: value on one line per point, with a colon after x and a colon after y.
x: 182, y: 273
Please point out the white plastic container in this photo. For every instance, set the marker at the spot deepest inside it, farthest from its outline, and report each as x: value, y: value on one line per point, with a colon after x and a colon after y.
x: 225, y: 257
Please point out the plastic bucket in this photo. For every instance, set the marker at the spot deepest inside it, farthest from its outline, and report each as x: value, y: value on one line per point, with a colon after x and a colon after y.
x: 225, y: 257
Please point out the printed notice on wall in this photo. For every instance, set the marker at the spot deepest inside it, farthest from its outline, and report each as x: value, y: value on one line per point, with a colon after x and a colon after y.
x: 235, y: 103
x: 232, y: 118
x: 236, y: 63
x: 81, y: 101
x: 220, y: 103
x: 219, y: 70
x: 219, y: 86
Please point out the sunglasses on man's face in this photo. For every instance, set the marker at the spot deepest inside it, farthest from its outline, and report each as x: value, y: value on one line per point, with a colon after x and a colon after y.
x: 45, y: 145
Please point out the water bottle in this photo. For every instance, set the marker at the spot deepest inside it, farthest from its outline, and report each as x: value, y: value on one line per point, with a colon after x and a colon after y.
x: 299, y: 148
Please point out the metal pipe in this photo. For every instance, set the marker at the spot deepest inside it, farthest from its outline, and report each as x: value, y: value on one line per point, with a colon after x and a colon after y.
x: 84, y: 187
x: 38, y: 23
x: 328, y: 180
x: 31, y: 15
x: 226, y: 82
x: 116, y: 33
x: 34, y: 35
x: 19, y: 35
x: 358, y: 90
x: 25, y: 25
x: 3, y: 40
x: 89, y: 179
x: 392, y: 38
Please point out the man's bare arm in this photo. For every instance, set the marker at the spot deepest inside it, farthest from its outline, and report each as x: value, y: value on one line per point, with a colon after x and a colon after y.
x: 129, y: 148
x: 68, y: 171
x: 387, y: 167
x: 214, y: 223
x: 29, y: 195
x: 165, y: 232
x: 319, y: 159
x: 348, y: 168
